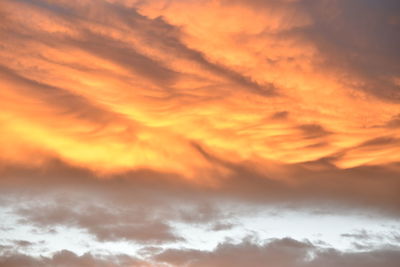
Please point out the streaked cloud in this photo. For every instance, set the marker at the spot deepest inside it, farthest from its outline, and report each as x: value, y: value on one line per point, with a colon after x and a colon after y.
x: 115, y: 86
x: 281, y: 252
x: 135, y: 124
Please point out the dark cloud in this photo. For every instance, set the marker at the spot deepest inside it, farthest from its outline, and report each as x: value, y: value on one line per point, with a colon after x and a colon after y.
x: 313, y: 130
x: 359, y: 39
x: 321, y: 184
x: 105, y: 223
x: 127, y: 58
x: 394, y: 122
x: 360, y: 235
x: 280, y: 115
x: 356, y: 186
x: 22, y: 243
x: 381, y: 141
x: 143, y: 206
x: 67, y: 258
x: 281, y: 253
x: 139, y: 207
x: 363, y: 239
x: 368, y: 187
x: 221, y: 226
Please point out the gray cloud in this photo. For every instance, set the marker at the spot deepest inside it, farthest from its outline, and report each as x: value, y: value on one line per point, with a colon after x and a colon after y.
x: 278, y: 252
x: 67, y: 258
x: 356, y: 39
x: 359, y: 39
x: 105, y: 223
x: 139, y: 206
x: 281, y: 253
x: 317, y: 184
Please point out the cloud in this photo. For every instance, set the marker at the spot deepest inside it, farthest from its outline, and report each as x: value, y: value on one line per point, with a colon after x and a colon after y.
x: 220, y: 226
x: 68, y: 259
x: 315, y: 184
x: 394, y: 122
x: 122, y: 117
x: 313, y: 130
x: 114, y: 86
x: 360, y: 38
x: 104, y: 223
x: 280, y: 252
x: 149, y: 208
x: 280, y: 115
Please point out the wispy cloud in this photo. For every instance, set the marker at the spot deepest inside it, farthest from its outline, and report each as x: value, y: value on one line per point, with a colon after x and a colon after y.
x: 190, y: 104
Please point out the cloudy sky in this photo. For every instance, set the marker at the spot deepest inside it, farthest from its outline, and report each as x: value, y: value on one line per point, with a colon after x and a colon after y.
x: 200, y: 133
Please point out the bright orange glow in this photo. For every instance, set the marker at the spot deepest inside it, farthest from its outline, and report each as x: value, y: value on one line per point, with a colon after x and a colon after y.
x: 99, y: 93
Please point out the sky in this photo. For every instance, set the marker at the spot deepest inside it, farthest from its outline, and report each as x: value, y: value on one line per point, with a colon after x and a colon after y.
x: 199, y: 133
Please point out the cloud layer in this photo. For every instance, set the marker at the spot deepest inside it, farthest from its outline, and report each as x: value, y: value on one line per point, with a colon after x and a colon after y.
x: 118, y: 85
x: 129, y: 120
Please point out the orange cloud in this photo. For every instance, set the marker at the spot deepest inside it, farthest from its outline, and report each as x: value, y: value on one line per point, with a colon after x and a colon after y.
x: 114, y: 86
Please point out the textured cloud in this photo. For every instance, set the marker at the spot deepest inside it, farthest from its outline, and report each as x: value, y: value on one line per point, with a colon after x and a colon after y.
x: 148, y: 208
x: 118, y: 85
x: 280, y: 252
x: 62, y: 195
x: 283, y: 252
x: 104, y: 224
x: 68, y: 259
x: 126, y: 119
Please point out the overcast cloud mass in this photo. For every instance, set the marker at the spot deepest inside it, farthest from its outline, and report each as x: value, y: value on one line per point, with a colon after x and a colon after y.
x: 200, y: 133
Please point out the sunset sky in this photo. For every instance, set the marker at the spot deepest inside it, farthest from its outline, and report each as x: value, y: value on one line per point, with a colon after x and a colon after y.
x: 200, y: 133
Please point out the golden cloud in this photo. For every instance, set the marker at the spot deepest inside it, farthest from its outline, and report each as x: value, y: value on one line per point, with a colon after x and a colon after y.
x: 114, y: 86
